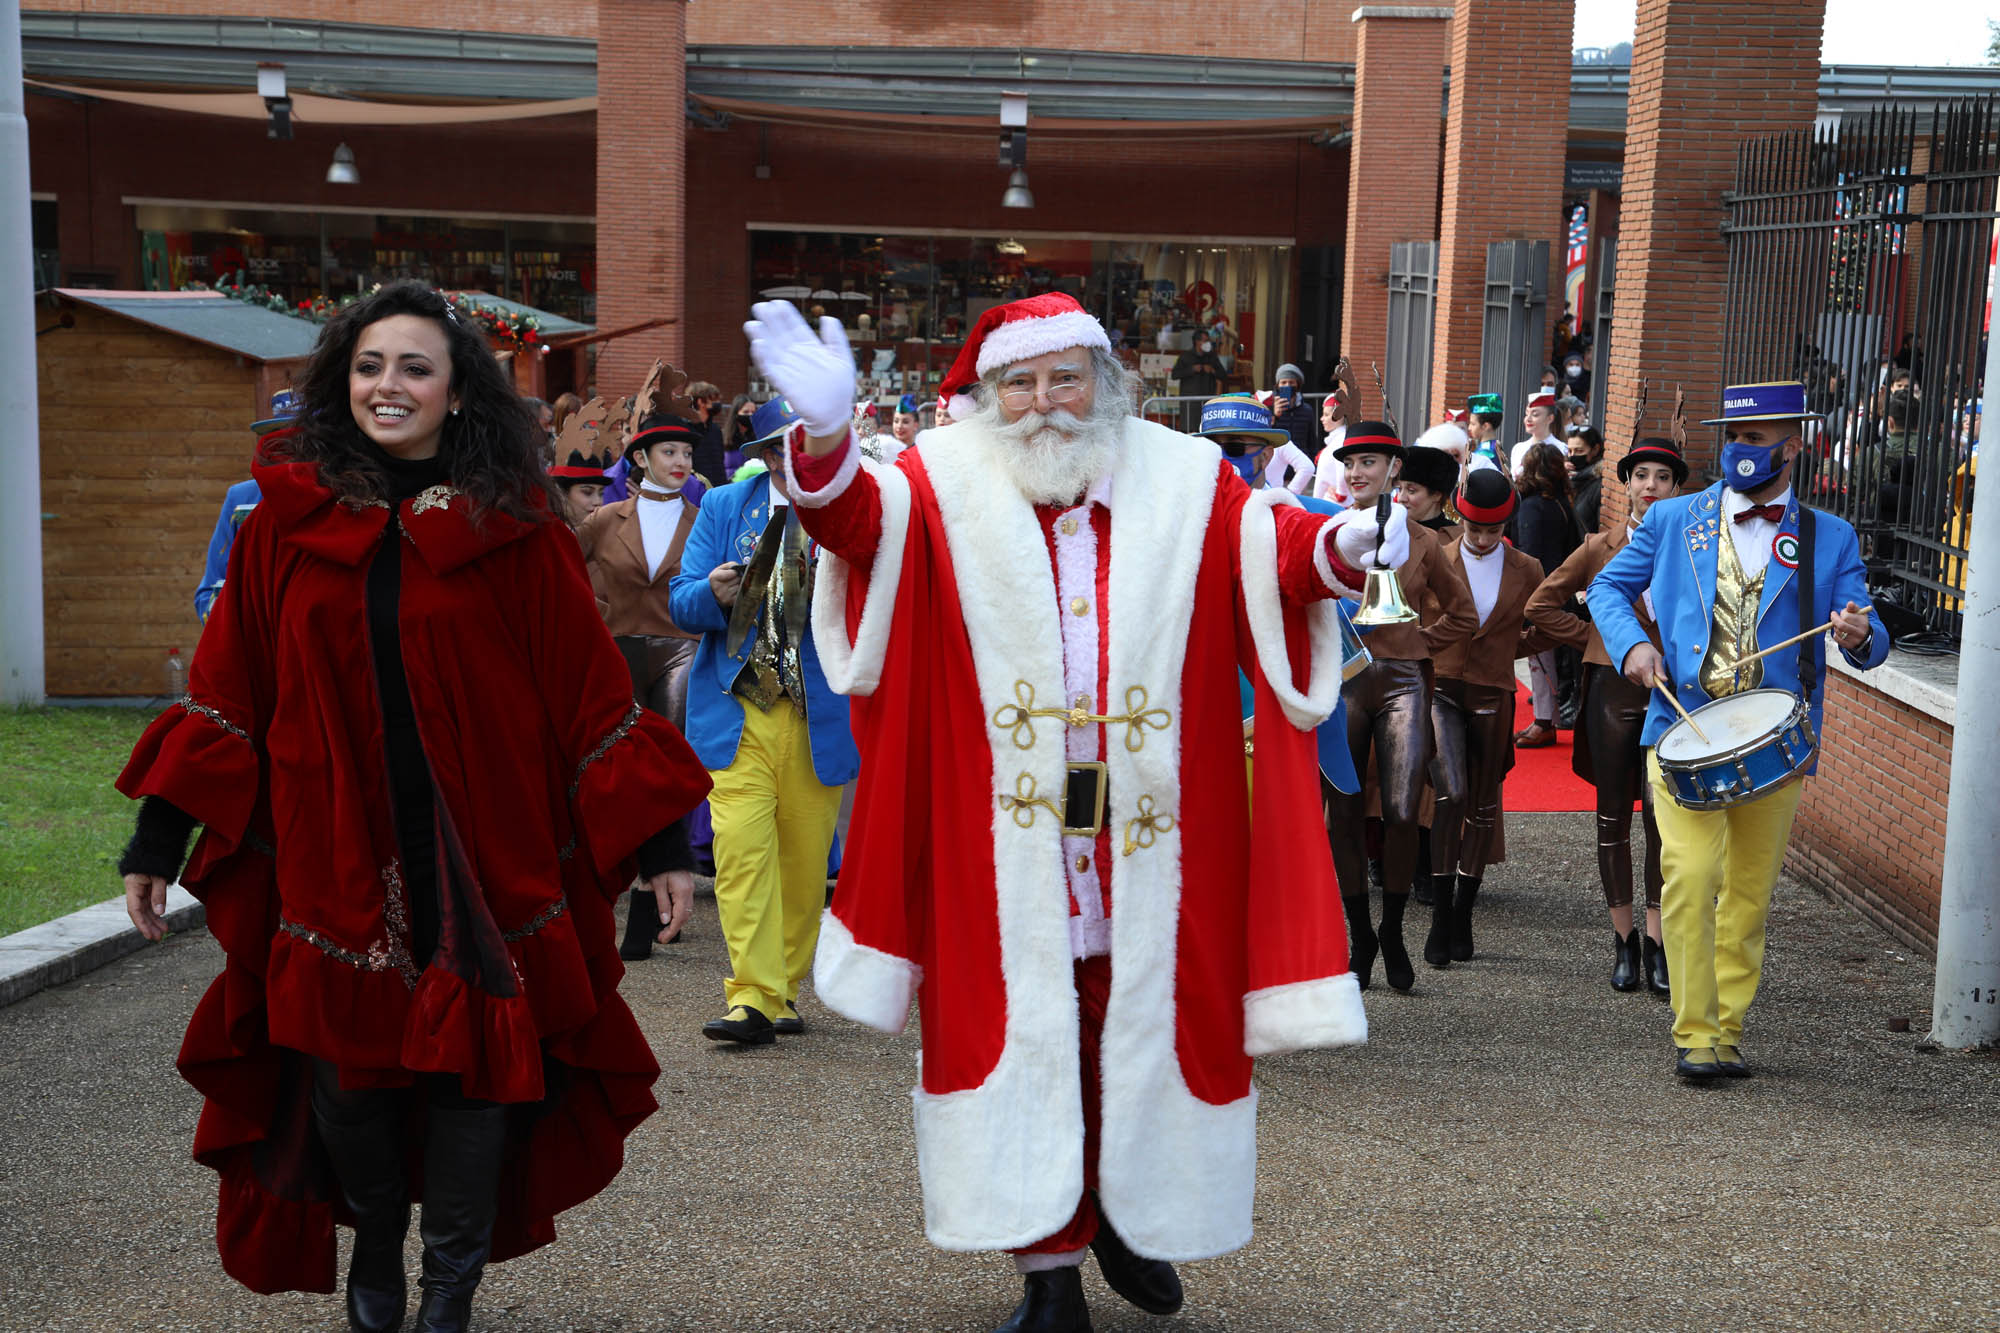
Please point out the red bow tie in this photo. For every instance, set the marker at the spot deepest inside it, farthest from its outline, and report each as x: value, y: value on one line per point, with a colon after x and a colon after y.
x: 1775, y: 513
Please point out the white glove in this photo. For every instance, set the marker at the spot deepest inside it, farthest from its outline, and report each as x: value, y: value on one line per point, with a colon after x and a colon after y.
x: 1355, y: 538
x: 814, y: 374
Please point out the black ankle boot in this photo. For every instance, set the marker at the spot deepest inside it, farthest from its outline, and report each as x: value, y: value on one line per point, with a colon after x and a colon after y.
x: 1150, y: 1284
x: 1361, y: 945
x: 1461, y: 918
x: 461, y: 1180
x: 1396, y: 969
x: 1655, y: 966
x: 1420, y: 883
x: 1625, y: 971
x: 642, y: 923
x: 367, y: 1155
x: 1437, y: 944
x: 1052, y: 1303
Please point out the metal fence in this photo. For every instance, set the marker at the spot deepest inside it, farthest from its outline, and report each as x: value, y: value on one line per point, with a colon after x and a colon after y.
x: 1856, y: 254
x: 1183, y: 412
x: 1600, y: 345
x: 1412, y: 320
x: 1513, y: 347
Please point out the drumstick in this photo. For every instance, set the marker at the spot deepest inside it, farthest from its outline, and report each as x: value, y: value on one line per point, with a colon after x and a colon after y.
x: 1660, y: 684
x: 1765, y: 652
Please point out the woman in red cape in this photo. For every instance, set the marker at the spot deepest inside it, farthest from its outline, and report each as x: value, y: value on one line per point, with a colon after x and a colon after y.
x: 422, y: 783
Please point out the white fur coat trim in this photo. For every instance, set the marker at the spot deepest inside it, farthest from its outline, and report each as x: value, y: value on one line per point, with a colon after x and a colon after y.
x: 860, y: 982
x: 854, y: 666
x: 1326, y: 1011
x: 1308, y: 708
x: 1025, y: 339
x: 843, y: 476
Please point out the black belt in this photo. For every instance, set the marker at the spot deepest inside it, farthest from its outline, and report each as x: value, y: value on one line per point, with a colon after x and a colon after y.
x: 1084, y: 799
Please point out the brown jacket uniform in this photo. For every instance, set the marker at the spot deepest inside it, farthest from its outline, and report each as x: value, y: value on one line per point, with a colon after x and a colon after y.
x: 632, y: 603
x: 1486, y: 656
x: 1444, y: 605
x: 1550, y: 608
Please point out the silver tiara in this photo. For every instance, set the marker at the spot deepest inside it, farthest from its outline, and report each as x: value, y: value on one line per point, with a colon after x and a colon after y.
x: 450, y: 311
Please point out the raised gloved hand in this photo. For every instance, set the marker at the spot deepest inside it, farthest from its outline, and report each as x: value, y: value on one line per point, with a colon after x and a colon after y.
x: 1355, y: 538
x: 814, y: 374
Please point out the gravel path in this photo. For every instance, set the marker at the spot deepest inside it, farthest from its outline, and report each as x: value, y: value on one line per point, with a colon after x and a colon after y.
x: 1510, y: 1152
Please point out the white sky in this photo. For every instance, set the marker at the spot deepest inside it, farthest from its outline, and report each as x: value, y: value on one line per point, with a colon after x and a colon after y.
x: 1858, y: 32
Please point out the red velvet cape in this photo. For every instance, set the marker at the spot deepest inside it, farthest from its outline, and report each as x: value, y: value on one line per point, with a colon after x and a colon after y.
x: 547, y: 778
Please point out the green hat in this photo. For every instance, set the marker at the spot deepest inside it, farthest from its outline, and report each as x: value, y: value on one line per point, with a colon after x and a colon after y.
x: 1485, y: 403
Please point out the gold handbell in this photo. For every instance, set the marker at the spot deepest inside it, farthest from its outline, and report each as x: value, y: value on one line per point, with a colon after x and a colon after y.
x: 1382, y: 600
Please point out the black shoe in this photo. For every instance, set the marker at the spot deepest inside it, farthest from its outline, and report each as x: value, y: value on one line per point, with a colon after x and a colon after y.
x: 1396, y: 969
x: 788, y: 1023
x: 741, y: 1024
x: 461, y: 1194
x: 1625, y: 971
x: 1361, y: 946
x: 367, y: 1156
x: 1420, y: 882
x: 1437, y: 944
x: 1697, y: 1064
x: 1150, y: 1284
x: 642, y: 923
x: 1461, y: 918
x: 1654, y: 957
x: 1730, y: 1061
x: 1375, y: 875
x: 1052, y: 1303
x: 1566, y: 715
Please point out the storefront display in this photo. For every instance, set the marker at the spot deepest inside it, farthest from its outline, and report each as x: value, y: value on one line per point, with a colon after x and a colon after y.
x: 549, y: 264
x: 907, y: 299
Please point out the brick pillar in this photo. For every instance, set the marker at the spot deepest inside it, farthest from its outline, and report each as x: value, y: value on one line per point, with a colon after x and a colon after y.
x: 1505, y: 130
x: 641, y: 183
x: 1706, y: 74
x: 1398, y: 79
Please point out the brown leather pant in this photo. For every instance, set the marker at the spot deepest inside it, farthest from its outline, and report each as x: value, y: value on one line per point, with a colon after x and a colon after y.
x: 1388, y: 711
x: 1613, y: 718
x: 1474, y: 725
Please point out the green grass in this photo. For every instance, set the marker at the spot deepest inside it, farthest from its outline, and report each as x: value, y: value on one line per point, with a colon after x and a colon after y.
x: 62, y: 826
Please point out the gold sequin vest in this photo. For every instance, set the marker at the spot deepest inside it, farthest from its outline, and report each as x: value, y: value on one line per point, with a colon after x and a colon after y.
x: 1732, y: 634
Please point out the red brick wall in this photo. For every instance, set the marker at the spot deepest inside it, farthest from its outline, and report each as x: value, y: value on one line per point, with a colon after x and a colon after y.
x: 1396, y: 149
x: 641, y: 184
x: 1706, y: 74
x: 552, y: 18
x: 1870, y: 828
x: 1506, y: 129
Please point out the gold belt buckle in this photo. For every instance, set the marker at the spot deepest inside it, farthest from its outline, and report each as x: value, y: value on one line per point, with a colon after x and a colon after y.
x: 1083, y: 799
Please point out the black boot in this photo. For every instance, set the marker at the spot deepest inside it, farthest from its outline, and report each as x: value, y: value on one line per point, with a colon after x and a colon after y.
x: 1655, y: 966
x: 1420, y: 883
x: 1437, y: 944
x: 364, y: 1139
x: 642, y: 923
x: 1150, y: 1284
x: 1625, y: 971
x: 461, y: 1182
x: 1396, y: 969
x: 1461, y: 918
x: 1361, y: 946
x: 1053, y: 1303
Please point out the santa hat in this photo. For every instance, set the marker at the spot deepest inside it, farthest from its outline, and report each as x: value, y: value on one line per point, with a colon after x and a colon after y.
x: 1545, y: 398
x: 1017, y: 331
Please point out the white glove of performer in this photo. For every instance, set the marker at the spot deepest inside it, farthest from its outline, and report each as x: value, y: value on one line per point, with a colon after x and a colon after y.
x: 1355, y: 538
x: 814, y: 374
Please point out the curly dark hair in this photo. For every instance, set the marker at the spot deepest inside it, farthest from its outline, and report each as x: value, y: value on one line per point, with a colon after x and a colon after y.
x: 1544, y: 472
x: 491, y: 446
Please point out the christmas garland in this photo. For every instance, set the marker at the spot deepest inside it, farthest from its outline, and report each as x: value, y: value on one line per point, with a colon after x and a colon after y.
x: 500, y: 325
x: 510, y: 326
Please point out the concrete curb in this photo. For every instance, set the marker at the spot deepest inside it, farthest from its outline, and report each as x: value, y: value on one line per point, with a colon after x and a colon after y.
x: 69, y: 946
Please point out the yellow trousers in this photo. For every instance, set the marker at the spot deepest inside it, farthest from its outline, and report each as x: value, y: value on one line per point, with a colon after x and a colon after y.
x: 1720, y: 867
x: 774, y: 822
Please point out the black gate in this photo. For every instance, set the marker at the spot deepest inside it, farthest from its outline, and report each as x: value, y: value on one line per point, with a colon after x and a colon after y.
x: 1859, y: 256
x: 1412, y: 322
x: 1513, y: 337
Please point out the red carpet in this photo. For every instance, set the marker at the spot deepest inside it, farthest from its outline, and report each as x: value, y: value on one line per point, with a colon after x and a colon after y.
x: 1542, y: 779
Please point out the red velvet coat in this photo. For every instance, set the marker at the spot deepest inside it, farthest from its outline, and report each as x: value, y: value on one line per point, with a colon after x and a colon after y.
x: 526, y: 715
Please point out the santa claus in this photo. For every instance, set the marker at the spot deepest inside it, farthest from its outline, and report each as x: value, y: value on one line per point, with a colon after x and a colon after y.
x: 1041, y: 611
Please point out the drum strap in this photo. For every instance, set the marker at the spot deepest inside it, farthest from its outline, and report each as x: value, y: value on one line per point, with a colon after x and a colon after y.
x: 1810, y: 650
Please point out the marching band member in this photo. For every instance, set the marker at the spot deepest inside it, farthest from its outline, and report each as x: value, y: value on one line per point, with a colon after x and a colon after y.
x: 1722, y: 568
x: 1607, y: 751
x: 1472, y: 708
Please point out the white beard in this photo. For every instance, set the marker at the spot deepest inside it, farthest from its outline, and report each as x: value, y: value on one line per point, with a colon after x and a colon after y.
x: 1053, y: 458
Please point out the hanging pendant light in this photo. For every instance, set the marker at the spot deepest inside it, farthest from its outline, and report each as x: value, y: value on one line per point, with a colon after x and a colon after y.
x: 1018, y: 195
x: 343, y: 171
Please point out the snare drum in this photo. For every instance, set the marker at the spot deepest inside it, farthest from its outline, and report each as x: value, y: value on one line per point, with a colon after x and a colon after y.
x: 1757, y: 742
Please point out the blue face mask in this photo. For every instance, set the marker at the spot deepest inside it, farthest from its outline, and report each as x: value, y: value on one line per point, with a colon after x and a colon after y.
x: 1745, y: 467
x: 1246, y: 466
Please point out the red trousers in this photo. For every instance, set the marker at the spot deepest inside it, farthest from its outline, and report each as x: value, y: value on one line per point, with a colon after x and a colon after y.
x: 1093, y: 991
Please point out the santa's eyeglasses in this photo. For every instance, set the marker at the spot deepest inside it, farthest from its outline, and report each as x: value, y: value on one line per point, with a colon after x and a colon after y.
x: 1018, y: 395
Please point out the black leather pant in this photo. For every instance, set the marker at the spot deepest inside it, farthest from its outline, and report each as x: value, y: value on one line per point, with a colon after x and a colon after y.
x: 1474, y: 725
x: 1388, y: 711
x: 1613, y: 719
